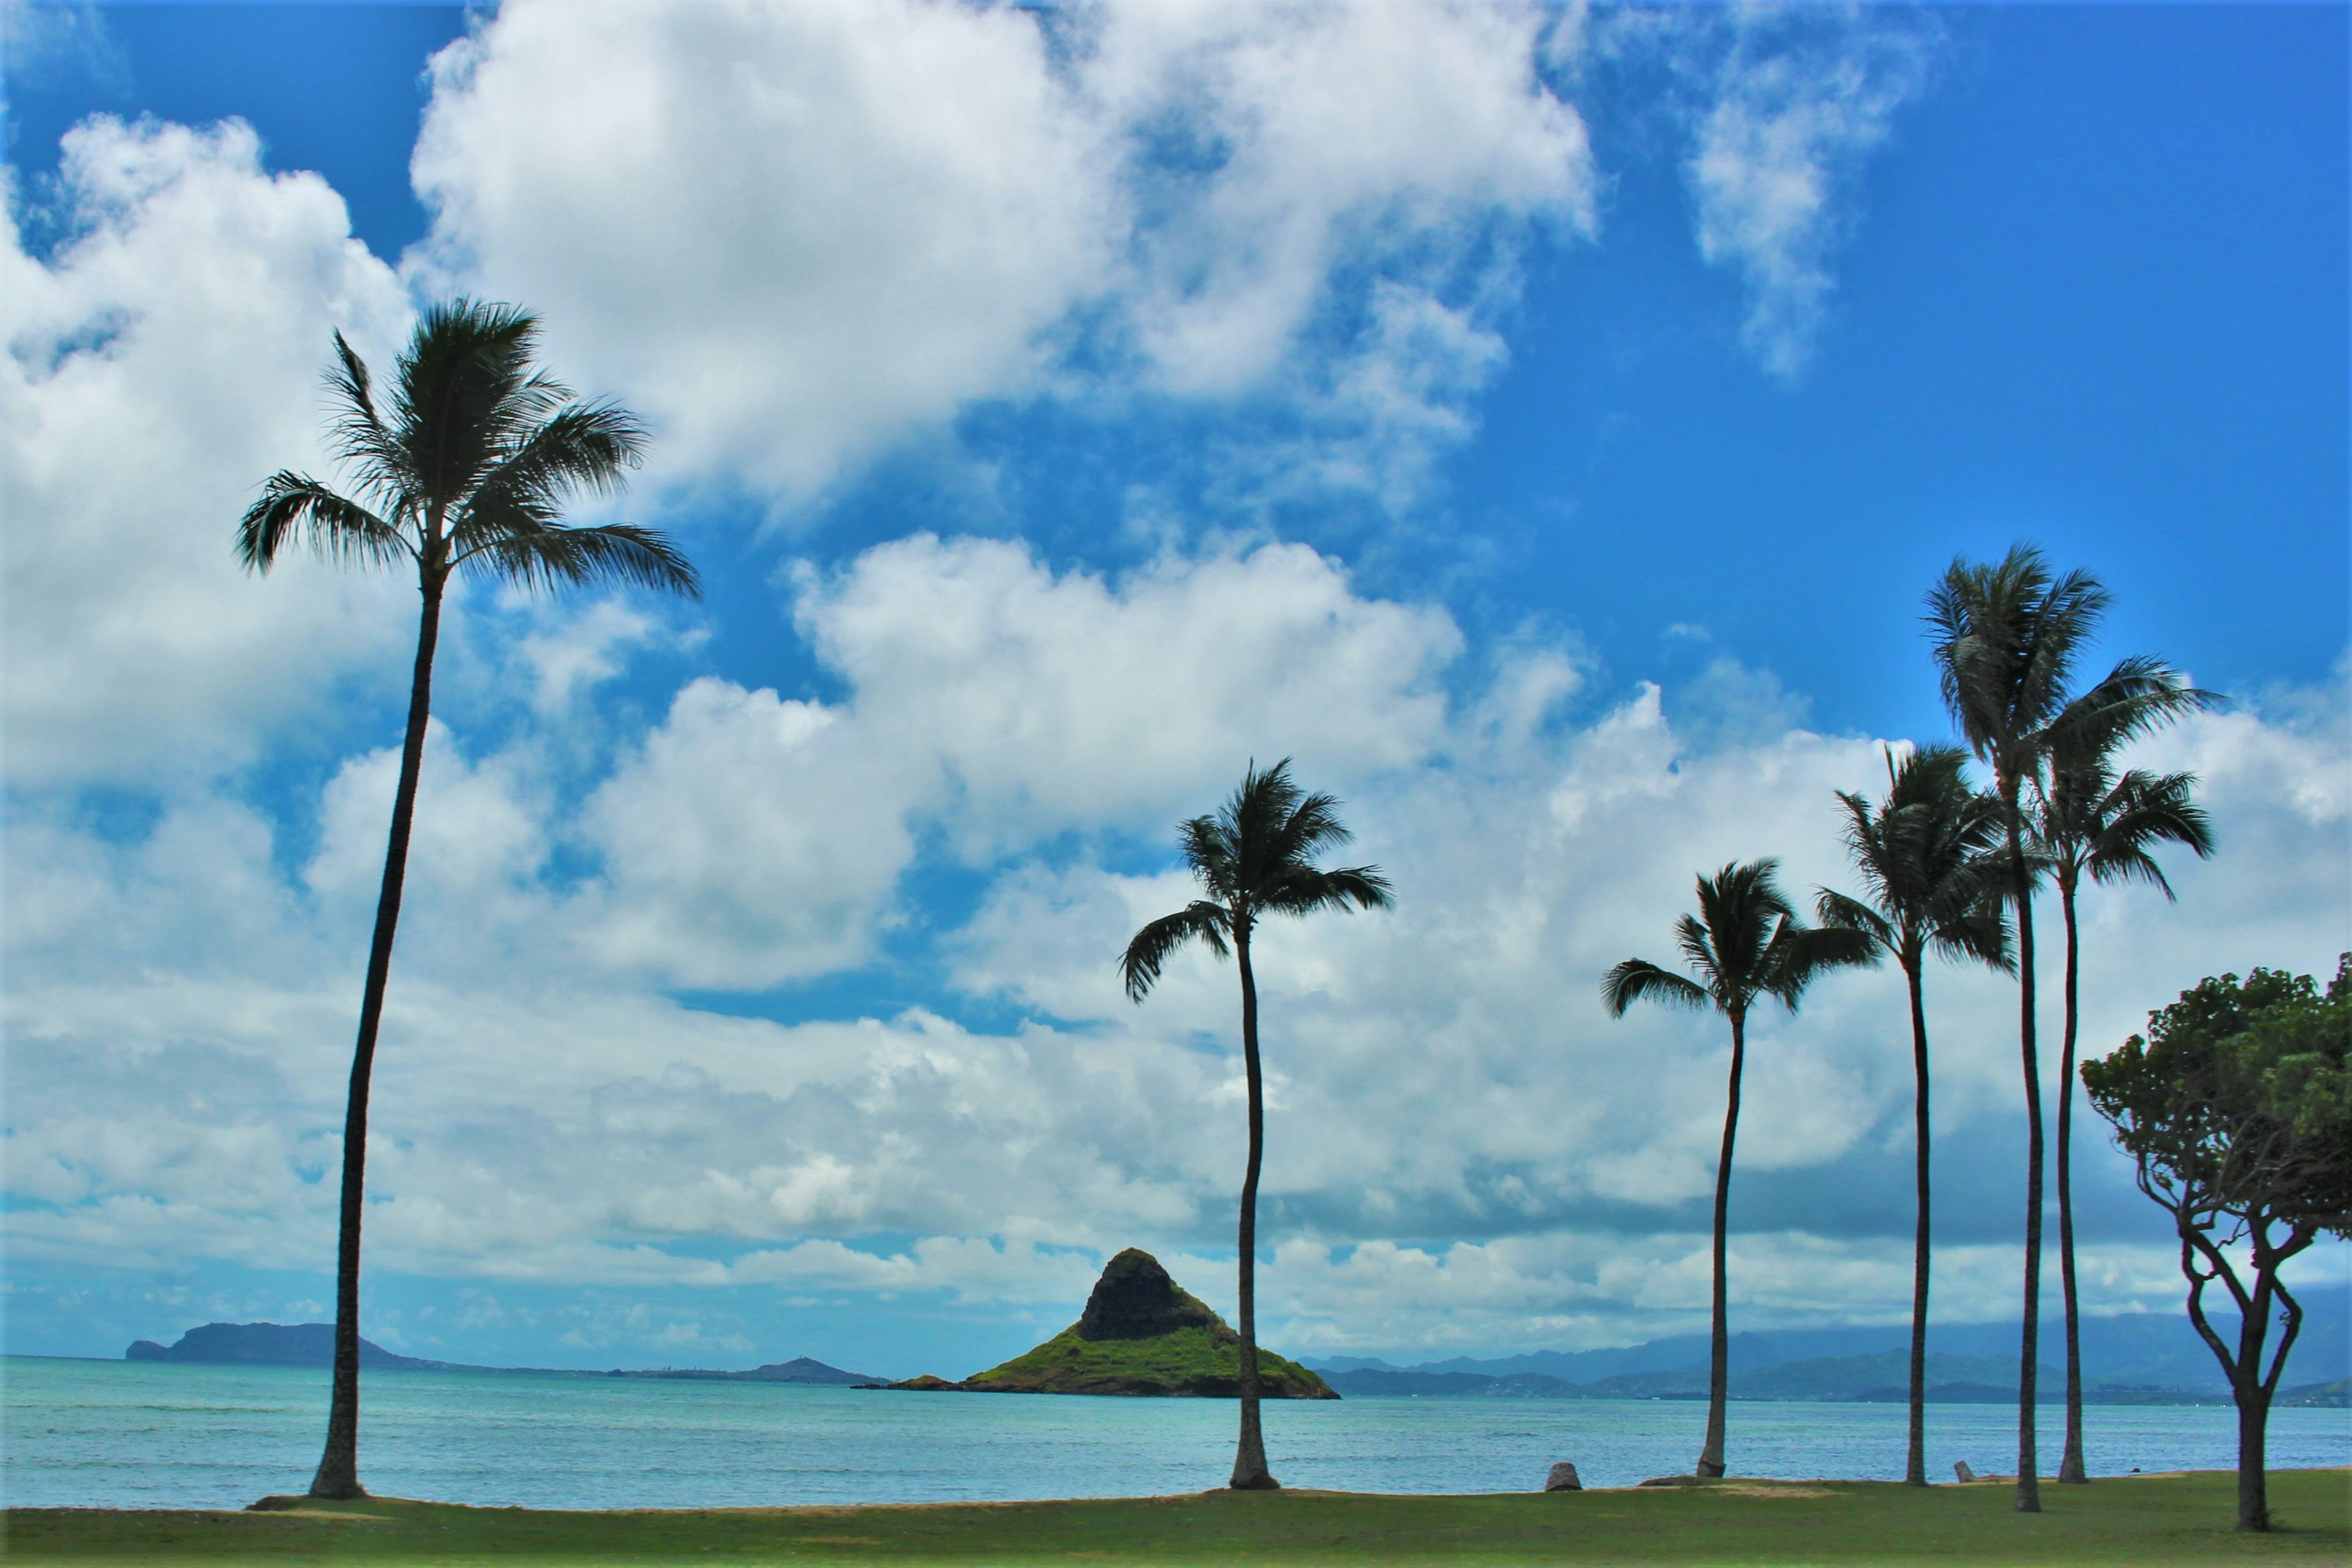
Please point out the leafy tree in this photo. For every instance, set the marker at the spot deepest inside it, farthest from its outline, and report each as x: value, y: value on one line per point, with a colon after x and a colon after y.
x: 2007, y: 639
x: 2237, y: 1105
x: 1923, y: 855
x: 466, y: 470
x: 2093, y: 822
x: 1745, y: 944
x: 1255, y: 858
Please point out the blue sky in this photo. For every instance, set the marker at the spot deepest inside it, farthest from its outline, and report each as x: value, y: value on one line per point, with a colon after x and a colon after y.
x: 1543, y: 423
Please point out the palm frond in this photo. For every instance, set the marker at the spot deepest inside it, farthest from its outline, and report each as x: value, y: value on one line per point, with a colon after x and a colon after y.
x: 1976, y: 933
x: 1798, y: 955
x: 360, y: 438
x: 1639, y: 980
x: 1210, y: 853
x: 297, y: 509
x: 2142, y: 811
x: 1837, y: 911
x: 1151, y: 947
x: 1308, y: 889
x: 614, y: 552
x: 581, y: 447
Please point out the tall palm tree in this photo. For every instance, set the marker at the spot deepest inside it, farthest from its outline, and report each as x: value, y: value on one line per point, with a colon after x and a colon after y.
x: 1745, y: 944
x: 1922, y: 855
x: 2093, y: 822
x: 2007, y: 639
x: 466, y: 468
x: 1253, y: 859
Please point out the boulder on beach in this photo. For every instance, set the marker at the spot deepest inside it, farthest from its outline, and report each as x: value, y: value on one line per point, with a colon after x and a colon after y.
x: 1563, y: 1478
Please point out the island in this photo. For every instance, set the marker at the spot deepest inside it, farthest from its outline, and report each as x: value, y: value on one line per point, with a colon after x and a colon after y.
x: 1141, y: 1334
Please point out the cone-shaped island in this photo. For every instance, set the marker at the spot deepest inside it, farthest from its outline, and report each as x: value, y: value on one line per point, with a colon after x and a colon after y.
x: 1143, y: 1333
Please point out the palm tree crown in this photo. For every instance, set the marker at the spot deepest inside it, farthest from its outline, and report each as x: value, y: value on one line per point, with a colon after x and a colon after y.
x: 1255, y: 857
x: 2094, y: 823
x: 468, y: 467
x: 1923, y: 855
x: 1745, y: 943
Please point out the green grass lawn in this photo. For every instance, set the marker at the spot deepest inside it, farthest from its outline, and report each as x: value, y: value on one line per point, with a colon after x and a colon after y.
x: 2143, y: 1521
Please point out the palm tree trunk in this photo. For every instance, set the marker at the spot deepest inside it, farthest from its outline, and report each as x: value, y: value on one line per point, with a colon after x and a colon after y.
x: 2070, y: 1466
x: 1250, y: 1473
x: 1718, y: 1370
x: 2029, y: 1479
x: 1914, y: 1463
x: 338, y: 1475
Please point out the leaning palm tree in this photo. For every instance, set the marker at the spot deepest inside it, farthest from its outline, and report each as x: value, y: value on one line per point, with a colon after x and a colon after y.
x: 1253, y: 859
x: 1745, y: 944
x: 1922, y: 854
x: 2007, y: 638
x: 2091, y: 822
x: 465, y: 469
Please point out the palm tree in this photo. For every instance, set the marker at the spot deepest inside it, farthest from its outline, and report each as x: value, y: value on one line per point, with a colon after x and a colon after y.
x: 2007, y: 639
x: 1745, y: 943
x: 2091, y: 821
x: 1922, y: 856
x: 1254, y: 858
x: 466, y: 468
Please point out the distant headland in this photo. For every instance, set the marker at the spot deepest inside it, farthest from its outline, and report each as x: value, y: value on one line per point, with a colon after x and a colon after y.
x: 313, y: 1344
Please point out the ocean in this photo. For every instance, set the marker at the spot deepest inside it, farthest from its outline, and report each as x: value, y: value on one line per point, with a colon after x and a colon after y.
x: 156, y: 1435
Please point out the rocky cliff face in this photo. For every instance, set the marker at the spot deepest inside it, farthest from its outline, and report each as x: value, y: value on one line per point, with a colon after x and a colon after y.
x: 1141, y: 1334
x: 1135, y: 1299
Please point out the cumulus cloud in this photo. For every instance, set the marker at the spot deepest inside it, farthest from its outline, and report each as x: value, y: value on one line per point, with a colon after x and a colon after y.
x: 161, y: 363
x: 754, y: 838
x: 798, y: 234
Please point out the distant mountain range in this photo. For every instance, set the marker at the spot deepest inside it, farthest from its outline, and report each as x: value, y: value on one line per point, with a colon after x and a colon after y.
x: 2138, y: 1358
x: 313, y: 1344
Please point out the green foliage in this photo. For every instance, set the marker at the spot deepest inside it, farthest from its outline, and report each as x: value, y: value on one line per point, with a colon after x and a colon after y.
x: 2237, y: 1102
x: 1201, y: 1360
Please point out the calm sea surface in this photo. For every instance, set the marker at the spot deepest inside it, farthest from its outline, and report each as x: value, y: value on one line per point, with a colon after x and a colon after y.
x: 147, y: 1434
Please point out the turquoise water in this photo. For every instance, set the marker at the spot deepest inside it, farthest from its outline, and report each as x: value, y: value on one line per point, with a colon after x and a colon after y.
x: 149, y: 1435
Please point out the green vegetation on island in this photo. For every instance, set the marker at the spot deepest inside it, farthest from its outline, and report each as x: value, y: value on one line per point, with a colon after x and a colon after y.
x: 2149, y: 1521
x: 1141, y: 1334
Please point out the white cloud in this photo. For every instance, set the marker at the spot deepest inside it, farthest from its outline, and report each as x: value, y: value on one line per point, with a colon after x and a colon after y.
x: 1465, y: 1153
x: 790, y: 230
x: 755, y: 838
x: 797, y: 233
x: 1796, y: 101
x: 161, y: 365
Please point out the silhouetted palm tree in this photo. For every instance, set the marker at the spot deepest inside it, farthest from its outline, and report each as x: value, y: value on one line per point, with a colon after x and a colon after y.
x: 1922, y: 854
x: 466, y: 470
x: 1745, y: 943
x: 1253, y: 859
x: 2093, y: 822
x: 2007, y: 640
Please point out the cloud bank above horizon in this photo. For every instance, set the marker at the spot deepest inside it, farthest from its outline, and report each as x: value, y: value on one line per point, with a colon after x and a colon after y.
x: 631, y: 1046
